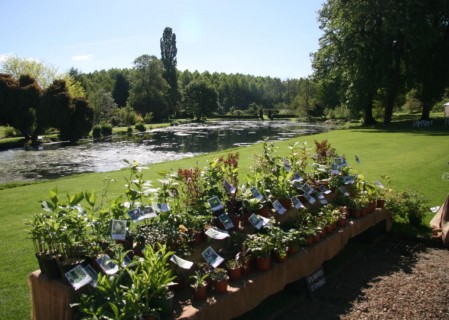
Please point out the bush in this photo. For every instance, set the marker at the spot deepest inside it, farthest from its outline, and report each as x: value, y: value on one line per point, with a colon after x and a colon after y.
x: 140, y: 127
x: 96, y: 132
x: 407, y: 206
x: 106, y: 129
x: 10, y: 132
x: 129, y: 131
x: 148, y: 117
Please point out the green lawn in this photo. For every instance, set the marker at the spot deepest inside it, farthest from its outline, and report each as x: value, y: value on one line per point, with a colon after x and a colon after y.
x: 414, y: 159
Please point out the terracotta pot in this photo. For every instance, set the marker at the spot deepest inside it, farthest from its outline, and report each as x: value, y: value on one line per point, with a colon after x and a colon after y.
x: 281, y: 258
x: 286, y: 203
x: 364, y: 212
x: 372, y: 206
x: 246, y: 266
x: 317, y: 237
x: 199, y: 293
x: 328, y: 229
x: 356, y: 213
x: 264, y: 212
x: 221, y: 286
x: 293, y: 249
x: 235, y: 274
x: 342, y: 222
x: 263, y: 263
x: 380, y: 203
x: 310, y: 240
x: 197, y: 238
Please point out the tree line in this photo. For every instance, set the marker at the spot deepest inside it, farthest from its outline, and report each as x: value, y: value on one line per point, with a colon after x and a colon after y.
x: 374, y: 57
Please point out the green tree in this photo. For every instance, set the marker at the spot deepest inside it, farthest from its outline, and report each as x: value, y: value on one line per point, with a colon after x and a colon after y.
x: 18, y: 103
x: 200, y: 99
x: 169, y: 60
x: 104, y: 106
x: 44, y: 74
x: 73, y: 117
x: 120, y: 92
x: 148, y: 87
x: 427, y: 51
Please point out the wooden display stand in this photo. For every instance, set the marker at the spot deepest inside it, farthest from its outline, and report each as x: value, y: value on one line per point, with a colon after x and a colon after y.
x: 51, y: 299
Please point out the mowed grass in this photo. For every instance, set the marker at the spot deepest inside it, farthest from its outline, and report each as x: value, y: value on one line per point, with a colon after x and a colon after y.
x: 415, y: 159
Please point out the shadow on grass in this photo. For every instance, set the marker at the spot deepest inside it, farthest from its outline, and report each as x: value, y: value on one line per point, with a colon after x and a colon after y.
x: 438, y: 128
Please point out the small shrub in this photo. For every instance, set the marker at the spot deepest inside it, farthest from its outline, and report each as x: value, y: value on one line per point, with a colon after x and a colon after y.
x: 10, y: 132
x: 106, y: 129
x: 140, y: 127
x: 408, y: 206
x: 129, y: 131
x: 96, y: 132
x: 148, y: 117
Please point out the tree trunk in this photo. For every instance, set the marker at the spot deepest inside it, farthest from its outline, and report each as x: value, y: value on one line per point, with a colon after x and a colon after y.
x: 425, y: 115
x: 368, y: 118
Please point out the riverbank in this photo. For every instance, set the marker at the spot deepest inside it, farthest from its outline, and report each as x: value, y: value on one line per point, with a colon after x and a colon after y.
x: 414, y: 158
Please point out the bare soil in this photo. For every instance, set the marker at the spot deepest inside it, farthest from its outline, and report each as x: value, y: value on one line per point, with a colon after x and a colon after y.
x: 395, y: 279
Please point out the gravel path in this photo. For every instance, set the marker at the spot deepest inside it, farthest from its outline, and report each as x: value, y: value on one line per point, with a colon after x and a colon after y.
x: 396, y: 280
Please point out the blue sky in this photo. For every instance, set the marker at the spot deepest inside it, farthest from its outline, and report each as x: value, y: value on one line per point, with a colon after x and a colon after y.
x: 258, y: 37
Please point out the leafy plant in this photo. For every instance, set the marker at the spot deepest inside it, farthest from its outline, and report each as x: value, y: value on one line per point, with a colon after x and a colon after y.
x: 259, y: 244
x: 199, y: 279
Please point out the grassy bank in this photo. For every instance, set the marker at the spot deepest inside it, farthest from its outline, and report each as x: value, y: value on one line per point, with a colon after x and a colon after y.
x: 414, y: 159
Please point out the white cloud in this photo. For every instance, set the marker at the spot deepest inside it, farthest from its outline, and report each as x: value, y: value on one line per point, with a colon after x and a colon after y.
x: 83, y: 57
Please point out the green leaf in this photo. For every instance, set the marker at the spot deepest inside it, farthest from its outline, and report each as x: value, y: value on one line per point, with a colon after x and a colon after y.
x: 91, y: 198
x: 75, y: 198
x: 54, y: 197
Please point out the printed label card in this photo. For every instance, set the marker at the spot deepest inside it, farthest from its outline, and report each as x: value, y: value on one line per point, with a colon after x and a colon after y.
x: 215, y: 203
x: 324, y: 189
x: 229, y: 187
x: 309, y: 198
x: 348, y: 179
x: 161, y: 207
x: 297, y: 178
x: 307, y: 189
x: 78, y: 277
x: 279, y: 207
x: 256, y: 194
x: 343, y: 190
x: 182, y: 263
x: 379, y: 184
x: 217, y: 234
x: 106, y: 264
x: 212, y: 258
x: 297, y: 203
x: 287, y: 166
x: 225, y: 219
x: 118, y: 229
x: 258, y: 221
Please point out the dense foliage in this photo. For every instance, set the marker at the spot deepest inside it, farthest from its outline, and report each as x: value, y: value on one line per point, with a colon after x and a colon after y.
x: 376, y: 51
x: 31, y: 110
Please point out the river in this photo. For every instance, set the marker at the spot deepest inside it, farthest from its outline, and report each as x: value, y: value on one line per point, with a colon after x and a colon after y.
x: 158, y: 145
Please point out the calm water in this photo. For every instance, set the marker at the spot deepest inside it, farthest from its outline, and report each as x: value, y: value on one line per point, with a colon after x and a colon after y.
x: 171, y: 143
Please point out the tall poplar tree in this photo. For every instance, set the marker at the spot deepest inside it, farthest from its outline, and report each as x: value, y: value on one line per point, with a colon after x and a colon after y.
x: 169, y: 60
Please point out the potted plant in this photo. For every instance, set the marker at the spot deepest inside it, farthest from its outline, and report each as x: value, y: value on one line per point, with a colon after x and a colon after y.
x: 234, y: 269
x: 199, y: 285
x: 294, y: 240
x: 41, y: 229
x: 279, y: 239
x: 219, y: 277
x: 261, y: 247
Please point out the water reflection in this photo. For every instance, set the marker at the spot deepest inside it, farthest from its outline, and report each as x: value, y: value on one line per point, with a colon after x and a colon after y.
x: 171, y: 143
